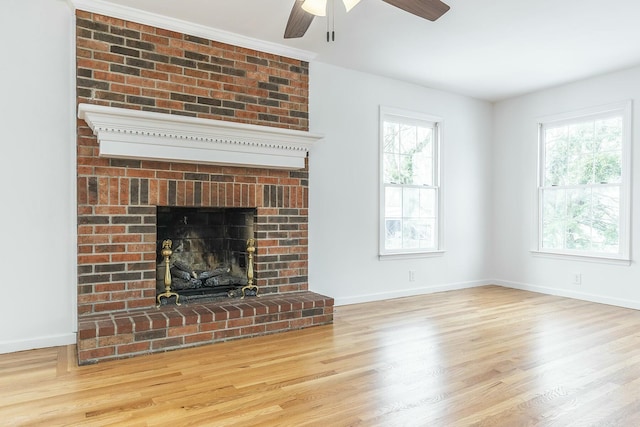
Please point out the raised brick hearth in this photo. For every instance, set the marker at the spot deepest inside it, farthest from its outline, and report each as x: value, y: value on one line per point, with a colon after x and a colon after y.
x: 132, y: 66
x: 133, y: 332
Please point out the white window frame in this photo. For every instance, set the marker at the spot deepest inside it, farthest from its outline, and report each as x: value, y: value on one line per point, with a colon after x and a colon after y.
x: 624, y: 228
x: 417, y: 118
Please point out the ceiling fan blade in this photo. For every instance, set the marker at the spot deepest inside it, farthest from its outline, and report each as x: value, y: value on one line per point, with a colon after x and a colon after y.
x: 427, y: 9
x: 299, y: 21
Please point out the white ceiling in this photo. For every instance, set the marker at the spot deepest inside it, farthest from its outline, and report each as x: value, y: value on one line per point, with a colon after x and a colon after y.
x: 488, y: 49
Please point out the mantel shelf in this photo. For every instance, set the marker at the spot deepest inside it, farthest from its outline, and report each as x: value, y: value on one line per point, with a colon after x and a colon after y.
x: 133, y: 134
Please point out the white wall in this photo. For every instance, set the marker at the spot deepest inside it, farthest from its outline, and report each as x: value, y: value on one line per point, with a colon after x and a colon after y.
x: 514, y: 183
x: 37, y: 172
x: 344, y: 194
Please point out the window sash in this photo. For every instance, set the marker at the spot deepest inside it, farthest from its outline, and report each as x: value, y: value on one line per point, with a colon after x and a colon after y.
x: 411, y: 223
x: 581, y: 218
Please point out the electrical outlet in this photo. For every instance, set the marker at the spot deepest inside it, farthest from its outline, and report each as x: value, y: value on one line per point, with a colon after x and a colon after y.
x: 412, y: 275
x: 576, y: 278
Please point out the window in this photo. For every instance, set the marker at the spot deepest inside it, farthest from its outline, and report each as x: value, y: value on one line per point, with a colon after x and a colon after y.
x: 410, y: 191
x: 584, y: 183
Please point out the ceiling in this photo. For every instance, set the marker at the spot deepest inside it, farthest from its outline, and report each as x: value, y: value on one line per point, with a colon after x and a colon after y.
x: 488, y: 49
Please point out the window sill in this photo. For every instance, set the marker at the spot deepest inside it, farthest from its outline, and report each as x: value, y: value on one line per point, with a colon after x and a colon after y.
x: 410, y: 255
x: 584, y: 258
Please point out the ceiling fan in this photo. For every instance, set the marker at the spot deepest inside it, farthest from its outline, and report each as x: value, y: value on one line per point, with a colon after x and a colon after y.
x: 304, y: 11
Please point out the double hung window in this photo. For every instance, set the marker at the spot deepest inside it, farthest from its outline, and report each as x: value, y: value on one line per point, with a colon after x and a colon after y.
x: 584, y: 183
x: 410, y: 190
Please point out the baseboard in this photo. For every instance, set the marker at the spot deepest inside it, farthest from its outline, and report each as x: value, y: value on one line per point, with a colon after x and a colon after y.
x: 584, y: 296
x: 409, y: 292
x: 40, y: 342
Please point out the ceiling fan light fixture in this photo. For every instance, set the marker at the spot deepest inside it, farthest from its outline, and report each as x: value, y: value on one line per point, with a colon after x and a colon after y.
x: 315, y: 7
x: 350, y: 4
x: 304, y: 11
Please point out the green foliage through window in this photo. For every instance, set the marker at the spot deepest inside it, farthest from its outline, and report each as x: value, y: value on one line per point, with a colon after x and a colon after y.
x: 581, y: 184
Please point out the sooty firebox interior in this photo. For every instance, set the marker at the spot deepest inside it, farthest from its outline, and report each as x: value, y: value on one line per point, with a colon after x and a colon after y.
x: 209, y: 250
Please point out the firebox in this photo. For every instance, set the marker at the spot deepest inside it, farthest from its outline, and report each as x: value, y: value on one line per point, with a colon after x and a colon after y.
x: 209, y: 250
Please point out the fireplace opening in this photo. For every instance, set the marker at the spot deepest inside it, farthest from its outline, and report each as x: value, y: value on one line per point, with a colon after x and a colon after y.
x: 209, y: 251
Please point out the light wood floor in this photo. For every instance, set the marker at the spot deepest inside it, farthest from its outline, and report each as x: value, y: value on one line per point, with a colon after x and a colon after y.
x: 488, y: 356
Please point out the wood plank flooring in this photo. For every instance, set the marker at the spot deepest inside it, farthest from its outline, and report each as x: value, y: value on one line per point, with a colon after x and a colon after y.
x: 487, y: 356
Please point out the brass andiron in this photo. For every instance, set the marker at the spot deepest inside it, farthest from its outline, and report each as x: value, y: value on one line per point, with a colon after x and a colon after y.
x: 166, y: 253
x: 253, y: 289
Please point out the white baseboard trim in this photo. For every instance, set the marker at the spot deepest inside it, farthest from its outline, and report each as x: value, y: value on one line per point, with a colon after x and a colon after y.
x: 584, y: 296
x: 338, y: 301
x: 40, y: 342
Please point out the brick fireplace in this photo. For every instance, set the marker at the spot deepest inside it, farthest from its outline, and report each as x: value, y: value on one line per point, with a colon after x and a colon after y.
x: 126, y: 66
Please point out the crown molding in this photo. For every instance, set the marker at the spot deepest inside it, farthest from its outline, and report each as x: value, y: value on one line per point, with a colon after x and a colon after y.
x: 134, y: 134
x: 161, y: 21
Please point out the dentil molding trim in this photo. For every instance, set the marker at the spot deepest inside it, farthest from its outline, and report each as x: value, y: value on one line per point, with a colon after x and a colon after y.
x: 134, y: 134
x: 161, y: 21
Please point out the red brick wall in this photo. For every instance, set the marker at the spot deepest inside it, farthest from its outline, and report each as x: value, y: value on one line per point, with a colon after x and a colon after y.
x: 125, y: 64
x: 128, y: 65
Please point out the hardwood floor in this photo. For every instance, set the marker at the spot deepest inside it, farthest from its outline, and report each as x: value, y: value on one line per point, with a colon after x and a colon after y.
x: 487, y: 356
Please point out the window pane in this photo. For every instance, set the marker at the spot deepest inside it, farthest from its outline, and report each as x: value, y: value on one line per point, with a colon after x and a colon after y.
x: 425, y: 135
x: 393, y: 234
x: 411, y: 203
x: 407, y: 139
x: 428, y: 203
x: 608, y: 133
x: 608, y: 167
x: 393, y: 202
x: 391, y: 168
x: 430, y: 235
x: 406, y: 169
x: 579, y: 153
x: 423, y: 157
x: 553, y: 217
x: 578, y: 222
x: 608, y: 150
x: 391, y: 137
x: 555, y: 156
x: 422, y: 166
x: 417, y: 233
x: 606, y: 217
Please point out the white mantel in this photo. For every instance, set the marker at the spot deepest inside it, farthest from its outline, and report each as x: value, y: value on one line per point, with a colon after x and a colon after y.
x: 133, y: 134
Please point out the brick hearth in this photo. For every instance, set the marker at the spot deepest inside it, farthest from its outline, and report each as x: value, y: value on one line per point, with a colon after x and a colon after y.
x: 133, y: 332
x: 129, y: 65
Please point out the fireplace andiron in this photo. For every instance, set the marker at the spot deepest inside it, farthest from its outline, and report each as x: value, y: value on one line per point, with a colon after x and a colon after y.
x: 166, y: 253
x: 250, y: 289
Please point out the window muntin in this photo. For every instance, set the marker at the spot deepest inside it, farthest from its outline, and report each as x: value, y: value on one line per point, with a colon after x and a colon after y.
x: 584, y: 184
x: 410, y: 189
